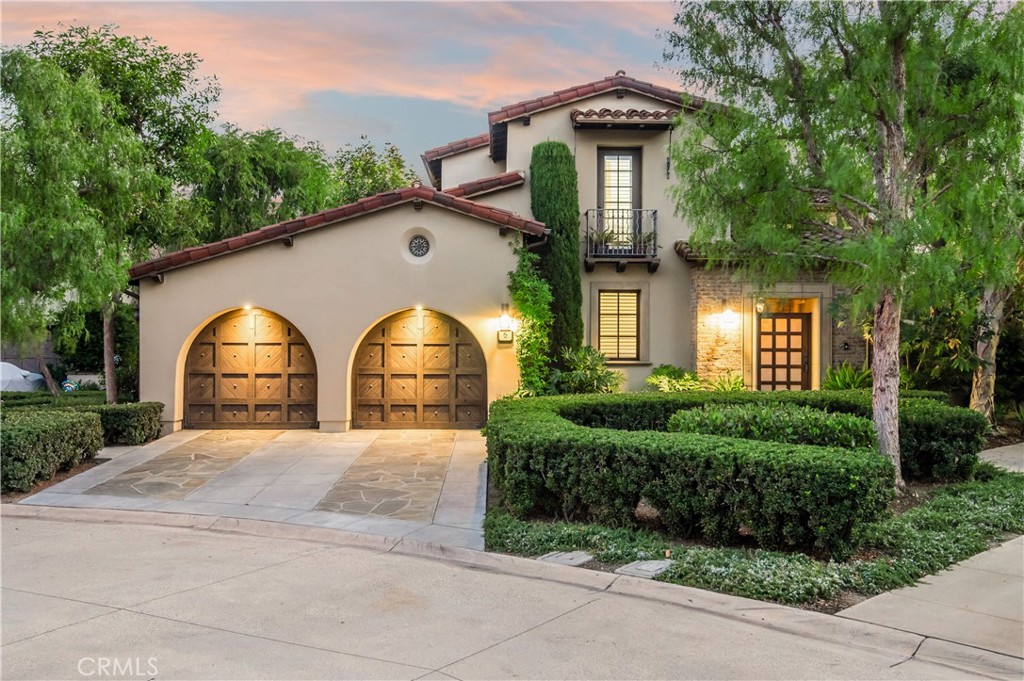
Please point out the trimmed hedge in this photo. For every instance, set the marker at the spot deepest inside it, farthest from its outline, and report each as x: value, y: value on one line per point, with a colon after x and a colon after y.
x: 936, y: 441
x: 788, y: 423
x: 40, y: 398
x: 132, y: 423
x: 784, y: 496
x: 38, y: 443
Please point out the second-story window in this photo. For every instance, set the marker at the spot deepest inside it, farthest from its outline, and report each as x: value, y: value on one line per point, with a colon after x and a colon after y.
x: 618, y: 193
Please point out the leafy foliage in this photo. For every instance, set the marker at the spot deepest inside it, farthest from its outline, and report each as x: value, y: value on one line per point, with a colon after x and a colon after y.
x: 667, y: 378
x: 586, y: 371
x: 957, y: 522
x: 787, y: 423
x: 75, y: 182
x: 38, y: 443
x: 362, y: 170
x: 785, y: 495
x: 937, y: 441
x: 878, y: 142
x: 531, y: 297
x: 259, y: 178
x: 726, y: 383
x: 554, y: 200
x: 846, y: 377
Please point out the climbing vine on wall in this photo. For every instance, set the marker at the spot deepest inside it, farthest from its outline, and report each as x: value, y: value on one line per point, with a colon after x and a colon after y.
x: 531, y: 296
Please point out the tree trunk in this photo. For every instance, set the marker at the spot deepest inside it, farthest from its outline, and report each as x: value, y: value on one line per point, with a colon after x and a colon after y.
x: 885, y: 374
x: 109, y: 369
x: 51, y: 384
x: 983, y: 386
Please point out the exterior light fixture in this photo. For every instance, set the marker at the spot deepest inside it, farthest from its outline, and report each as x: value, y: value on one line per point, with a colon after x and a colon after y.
x: 505, y: 332
x: 759, y: 306
x: 729, y: 319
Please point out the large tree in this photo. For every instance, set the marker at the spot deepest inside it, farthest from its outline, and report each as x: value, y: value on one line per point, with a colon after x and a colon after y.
x: 72, y: 177
x: 360, y: 170
x: 258, y: 178
x: 839, y: 121
x: 159, y: 97
x: 555, y: 201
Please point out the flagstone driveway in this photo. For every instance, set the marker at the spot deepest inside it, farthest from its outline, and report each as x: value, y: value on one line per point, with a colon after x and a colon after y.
x: 422, y: 484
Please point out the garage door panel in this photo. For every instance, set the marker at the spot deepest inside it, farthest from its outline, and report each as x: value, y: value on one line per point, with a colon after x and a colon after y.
x: 370, y: 387
x: 300, y: 358
x: 402, y: 357
x: 269, y: 387
x: 408, y: 371
x: 436, y: 356
x: 268, y: 413
x: 235, y: 357
x: 234, y: 386
x: 250, y: 370
x: 200, y: 386
x: 301, y: 387
x: 269, y: 356
x: 201, y: 356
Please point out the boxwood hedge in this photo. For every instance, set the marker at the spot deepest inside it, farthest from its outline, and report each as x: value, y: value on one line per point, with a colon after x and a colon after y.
x: 937, y: 441
x: 132, y: 423
x: 785, y: 422
x: 38, y: 443
x: 781, y: 495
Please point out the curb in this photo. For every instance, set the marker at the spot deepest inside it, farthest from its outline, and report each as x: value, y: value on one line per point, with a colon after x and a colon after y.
x: 893, y: 646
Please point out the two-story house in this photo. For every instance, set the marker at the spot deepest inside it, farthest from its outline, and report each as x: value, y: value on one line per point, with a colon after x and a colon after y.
x: 391, y: 312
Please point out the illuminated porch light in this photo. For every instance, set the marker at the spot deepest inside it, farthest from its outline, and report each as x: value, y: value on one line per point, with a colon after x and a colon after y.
x: 728, y: 319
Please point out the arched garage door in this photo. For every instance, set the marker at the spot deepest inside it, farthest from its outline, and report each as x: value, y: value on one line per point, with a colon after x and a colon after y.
x: 419, y: 369
x: 250, y: 369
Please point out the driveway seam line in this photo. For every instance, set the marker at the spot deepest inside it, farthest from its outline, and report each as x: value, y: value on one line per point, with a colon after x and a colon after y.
x: 924, y: 637
x: 515, y: 636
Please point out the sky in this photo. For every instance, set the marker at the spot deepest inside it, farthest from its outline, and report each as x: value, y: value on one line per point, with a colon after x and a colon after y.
x: 418, y: 74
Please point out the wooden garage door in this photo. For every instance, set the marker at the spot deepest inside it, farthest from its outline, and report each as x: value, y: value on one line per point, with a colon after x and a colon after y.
x: 419, y: 370
x: 250, y: 369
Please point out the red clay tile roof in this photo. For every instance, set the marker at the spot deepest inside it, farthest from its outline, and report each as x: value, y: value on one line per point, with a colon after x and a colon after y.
x: 619, y: 80
x: 308, y: 223
x: 432, y: 157
x: 579, y: 115
x: 488, y: 184
x: 457, y: 147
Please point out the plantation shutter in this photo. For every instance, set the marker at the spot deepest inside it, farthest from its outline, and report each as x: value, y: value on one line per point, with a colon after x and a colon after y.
x: 618, y: 321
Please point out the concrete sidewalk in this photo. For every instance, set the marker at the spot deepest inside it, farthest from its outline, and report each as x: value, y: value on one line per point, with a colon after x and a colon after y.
x: 978, y: 602
x: 240, y: 599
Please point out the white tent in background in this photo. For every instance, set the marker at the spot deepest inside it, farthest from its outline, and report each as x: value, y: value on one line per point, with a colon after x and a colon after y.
x: 18, y: 380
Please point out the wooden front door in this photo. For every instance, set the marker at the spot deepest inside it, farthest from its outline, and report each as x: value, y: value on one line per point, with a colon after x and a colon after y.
x: 250, y: 369
x: 419, y: 369
x: 784, y: 351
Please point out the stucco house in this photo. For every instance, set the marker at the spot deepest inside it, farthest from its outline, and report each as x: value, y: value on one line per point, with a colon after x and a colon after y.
x: 387, y: 313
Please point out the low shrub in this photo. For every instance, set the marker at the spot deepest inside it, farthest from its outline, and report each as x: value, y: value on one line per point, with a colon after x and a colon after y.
x: 42, y: 398
x: 128, y: 424
x: 667, y: 378
x: 789, y: 423
x: 586, y: 371
x: 727, y: 383
x: 846, y: 377
x: 937, y: 441
x: 123, y: 424
x: 38, y: 443
x: 782, y: 495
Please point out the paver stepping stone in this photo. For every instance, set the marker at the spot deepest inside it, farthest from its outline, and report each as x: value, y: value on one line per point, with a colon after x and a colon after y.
x: 570, y: 558
x: 644, y: 569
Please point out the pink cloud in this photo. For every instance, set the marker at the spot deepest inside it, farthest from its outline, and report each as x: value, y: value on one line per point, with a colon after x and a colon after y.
x: 271, y: 57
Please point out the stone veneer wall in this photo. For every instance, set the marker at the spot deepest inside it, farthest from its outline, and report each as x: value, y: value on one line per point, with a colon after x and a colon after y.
x: 717, y: 350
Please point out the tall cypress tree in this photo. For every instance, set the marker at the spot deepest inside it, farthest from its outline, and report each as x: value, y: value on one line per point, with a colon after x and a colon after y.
x: 554, y: 199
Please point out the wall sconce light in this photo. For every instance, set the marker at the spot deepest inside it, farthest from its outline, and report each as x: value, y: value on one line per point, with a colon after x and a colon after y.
x: 505, y: 332
x: 759, y: 306
x: 729, y: 319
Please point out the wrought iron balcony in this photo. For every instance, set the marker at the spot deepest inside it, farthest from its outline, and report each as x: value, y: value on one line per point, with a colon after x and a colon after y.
x: 621, y: 236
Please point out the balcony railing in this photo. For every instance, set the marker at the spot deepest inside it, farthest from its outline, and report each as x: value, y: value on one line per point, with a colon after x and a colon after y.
x: 621, y: 235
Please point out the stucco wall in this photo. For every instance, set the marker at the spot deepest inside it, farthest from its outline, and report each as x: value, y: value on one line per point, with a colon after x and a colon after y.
x: 334, y: 284
x: 470, y: 165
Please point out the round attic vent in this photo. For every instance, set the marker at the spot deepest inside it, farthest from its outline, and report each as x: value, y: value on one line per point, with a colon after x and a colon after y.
x: 419, y: 246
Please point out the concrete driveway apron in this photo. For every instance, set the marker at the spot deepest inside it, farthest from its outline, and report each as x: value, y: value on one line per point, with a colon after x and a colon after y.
x: 429, y: 485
